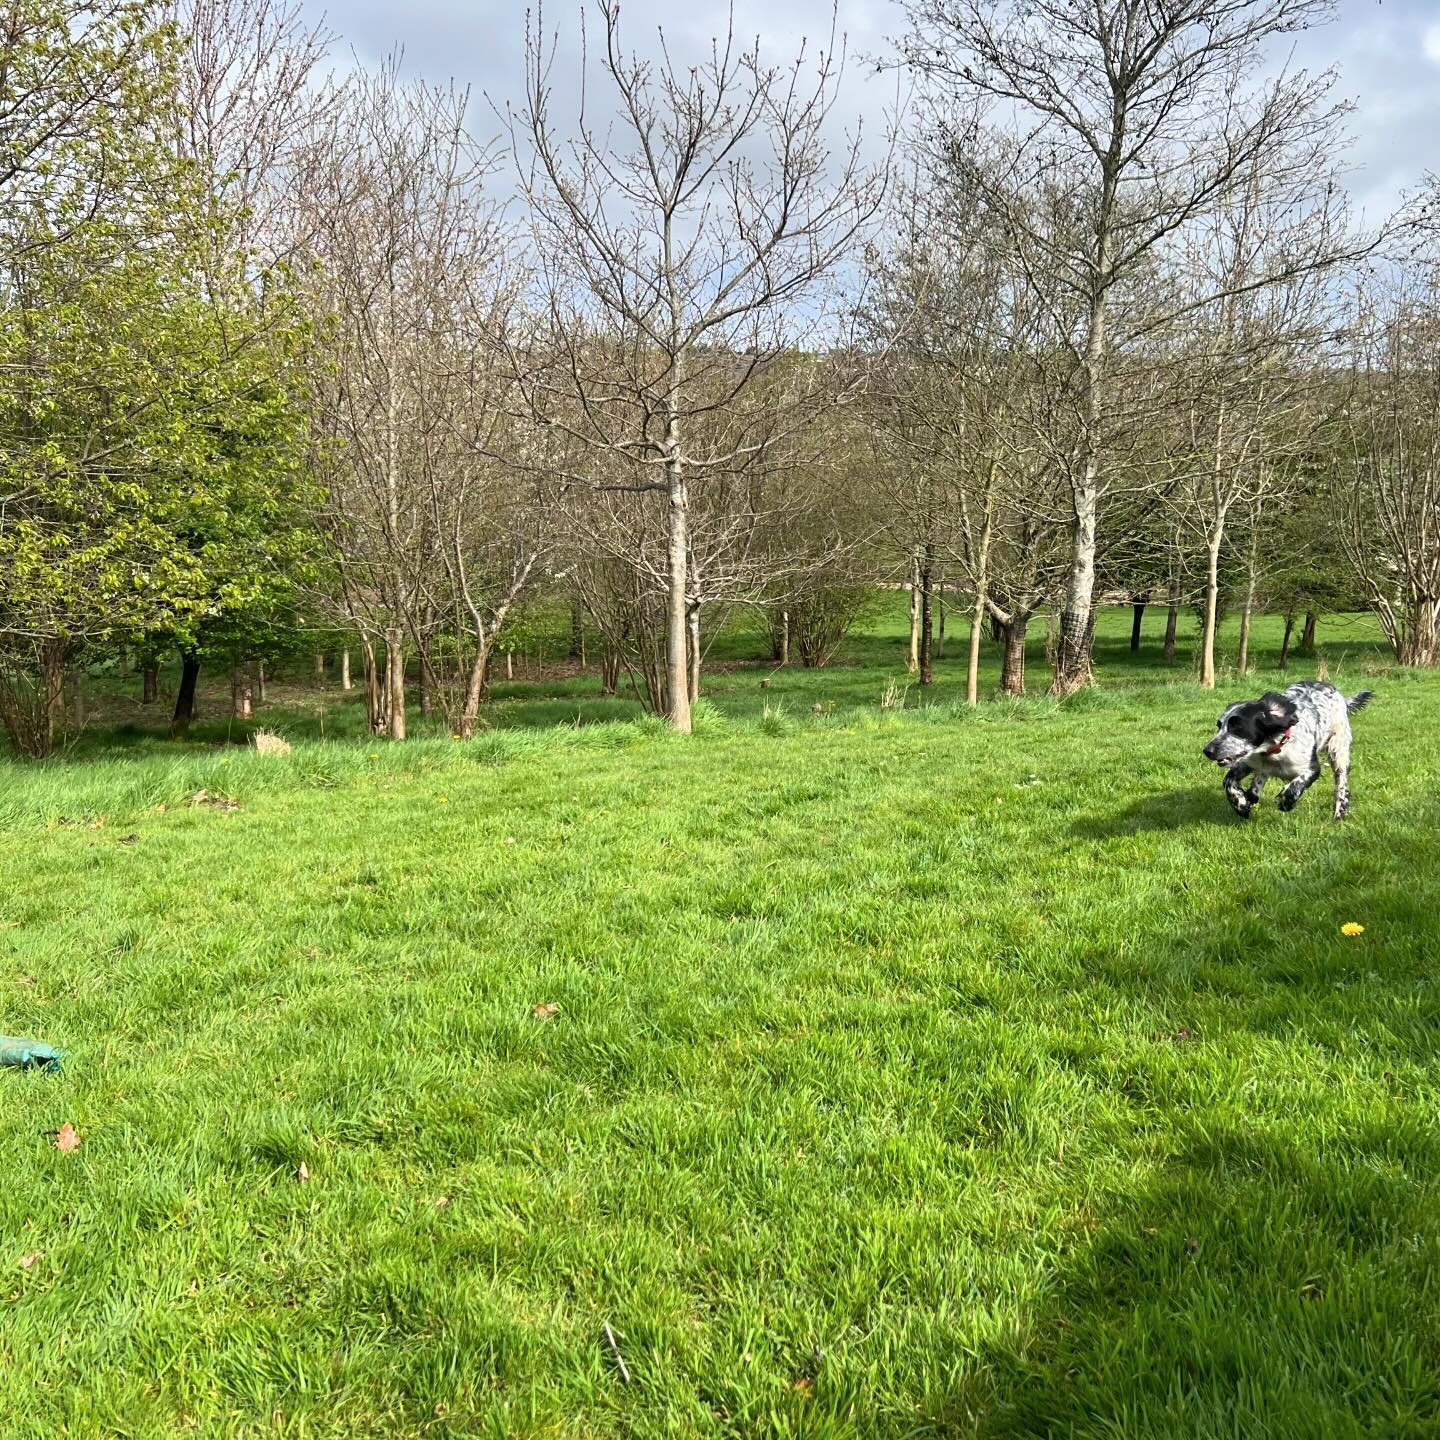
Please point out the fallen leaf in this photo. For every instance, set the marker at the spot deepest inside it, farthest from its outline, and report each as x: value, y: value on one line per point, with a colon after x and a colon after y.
x: 805, y: 1386
x: 67, y: 1138
x: 302, y: 1174
x: 1192, y: 1244
x: 546, y: 1010
x: 510, y: 840
x: 129, y: 839
x: 441, y: 1201
x: 27, y: 1261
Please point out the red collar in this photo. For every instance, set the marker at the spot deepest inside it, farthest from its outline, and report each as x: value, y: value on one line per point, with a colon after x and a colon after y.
x: 1279, y: 745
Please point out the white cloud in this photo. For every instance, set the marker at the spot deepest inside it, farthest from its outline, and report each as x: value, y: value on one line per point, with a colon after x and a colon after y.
x: 1430, y: 43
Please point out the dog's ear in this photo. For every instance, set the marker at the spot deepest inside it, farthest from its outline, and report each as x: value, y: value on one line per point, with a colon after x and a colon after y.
x: 1279, y: 711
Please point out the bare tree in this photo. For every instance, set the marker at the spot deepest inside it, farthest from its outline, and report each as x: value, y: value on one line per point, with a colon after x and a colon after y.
x: 1141, y: 120
x: 685, y: 235
x: 410, y: 278
x: 1390, y: 517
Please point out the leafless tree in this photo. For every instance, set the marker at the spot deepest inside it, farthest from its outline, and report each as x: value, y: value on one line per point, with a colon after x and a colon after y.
x: 1142, y: 120
x: 412, y: 284
x: 685, y: 231
x: 1390, y: 512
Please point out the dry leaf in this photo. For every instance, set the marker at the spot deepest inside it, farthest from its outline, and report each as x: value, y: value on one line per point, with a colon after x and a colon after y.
x: 303, y: 1173
x: 129, y: 839
x: 546, y: 1010
x: 805, y: 1386
x: 441, y: 1201
x: 26, y: 1261
x: 67, y: 1138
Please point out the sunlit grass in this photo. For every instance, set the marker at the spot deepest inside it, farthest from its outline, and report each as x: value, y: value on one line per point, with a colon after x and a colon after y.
x: 910, y: 1073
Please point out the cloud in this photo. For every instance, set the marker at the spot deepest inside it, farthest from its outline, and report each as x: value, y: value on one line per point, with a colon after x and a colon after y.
x: 1430, y: 43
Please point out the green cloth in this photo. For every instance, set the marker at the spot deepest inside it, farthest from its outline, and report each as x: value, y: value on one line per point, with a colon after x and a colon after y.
x: 25, y: 1053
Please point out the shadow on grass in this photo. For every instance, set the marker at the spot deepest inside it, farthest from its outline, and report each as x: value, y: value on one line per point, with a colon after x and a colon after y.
x: 1269, y: 1270
x: 1194, y: 805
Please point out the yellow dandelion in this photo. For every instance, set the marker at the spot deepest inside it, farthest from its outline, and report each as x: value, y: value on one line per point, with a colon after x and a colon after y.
x: 1352, y: 929
x: 372, y: 756
x: 443, y: 799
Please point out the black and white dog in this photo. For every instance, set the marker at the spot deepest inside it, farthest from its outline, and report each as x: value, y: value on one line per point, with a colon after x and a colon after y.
x: 1282, y: 737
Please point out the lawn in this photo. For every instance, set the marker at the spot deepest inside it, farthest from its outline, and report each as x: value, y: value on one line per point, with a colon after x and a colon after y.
x: 898, y: 1072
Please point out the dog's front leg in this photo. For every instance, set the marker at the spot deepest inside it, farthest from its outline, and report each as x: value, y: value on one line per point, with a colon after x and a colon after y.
x: 1290, y: 795
x: 1240, y: 802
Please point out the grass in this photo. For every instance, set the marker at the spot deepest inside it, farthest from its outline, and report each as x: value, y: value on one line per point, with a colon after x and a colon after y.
x: 913, y: 1073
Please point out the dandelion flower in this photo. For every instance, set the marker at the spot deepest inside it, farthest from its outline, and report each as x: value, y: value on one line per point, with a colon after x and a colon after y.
x: 1352, y: 929
x: 443, y: 799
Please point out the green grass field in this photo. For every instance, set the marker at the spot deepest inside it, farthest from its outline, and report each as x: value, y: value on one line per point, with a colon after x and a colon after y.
x: 913, y: 1072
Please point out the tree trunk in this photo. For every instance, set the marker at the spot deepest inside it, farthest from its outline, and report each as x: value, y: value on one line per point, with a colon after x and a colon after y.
x: 940, y: 607
x: 912, y: 663
x: 1141, y: 601
x: 677, y: 668
x: 927, y: 652
x: 1285, y: 643
x: 124, y: 662
x: 374, y: 701
x: 185, y: 696
x: 609, y: 670
x: 692, y: 623
x: 260, y: 680
x: 151, y: 681
x: 1012, y: 670
x: 52, y: 683
x: 780, y: 649
x: 1420, y: 644
x: 395, y: 680
x: 509, y: 664
x: 1172, y: 622
x: 345, y: 682
x: 242, y: 692
x: 977, y: 615
x: 1242, y: 660
x: 477, y: 689
x: 1212, y: 604
x: 1307, y: 635
x: 577, y: 632
x: 319, y: 664
x: 1072, y: 657
x: 427, y: 679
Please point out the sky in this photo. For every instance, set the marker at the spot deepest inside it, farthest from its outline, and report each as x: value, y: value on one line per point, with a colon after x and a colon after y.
x: 1387, y: 52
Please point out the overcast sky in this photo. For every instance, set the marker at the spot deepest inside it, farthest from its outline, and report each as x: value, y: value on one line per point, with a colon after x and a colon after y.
x: 1388, y: 52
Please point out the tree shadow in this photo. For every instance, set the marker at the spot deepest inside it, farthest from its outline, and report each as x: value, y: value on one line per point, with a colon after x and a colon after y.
x: 1181, y: 809
x: 1259, y: 1256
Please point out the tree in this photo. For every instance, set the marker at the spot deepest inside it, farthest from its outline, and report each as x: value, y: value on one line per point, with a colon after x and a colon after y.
x: 1390, y: 515
x: 1140, y: 120
x: 683, y: 243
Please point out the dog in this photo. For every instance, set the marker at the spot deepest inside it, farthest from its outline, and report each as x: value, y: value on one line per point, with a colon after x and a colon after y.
x: 1283, y: 737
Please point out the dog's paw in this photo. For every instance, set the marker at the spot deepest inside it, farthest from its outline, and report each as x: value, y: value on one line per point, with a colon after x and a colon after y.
x: 1287, y: 801
x: 1242, y: 807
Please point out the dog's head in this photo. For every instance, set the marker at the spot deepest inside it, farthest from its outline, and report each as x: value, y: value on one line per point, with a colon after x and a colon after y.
x: 1250, y: 726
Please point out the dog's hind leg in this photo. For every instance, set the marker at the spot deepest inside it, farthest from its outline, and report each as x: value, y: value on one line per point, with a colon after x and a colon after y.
x: 1290, y: 795
x: 1340, y: 763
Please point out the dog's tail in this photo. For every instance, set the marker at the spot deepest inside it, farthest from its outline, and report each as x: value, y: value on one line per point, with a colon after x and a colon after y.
x: 1359, y: 701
